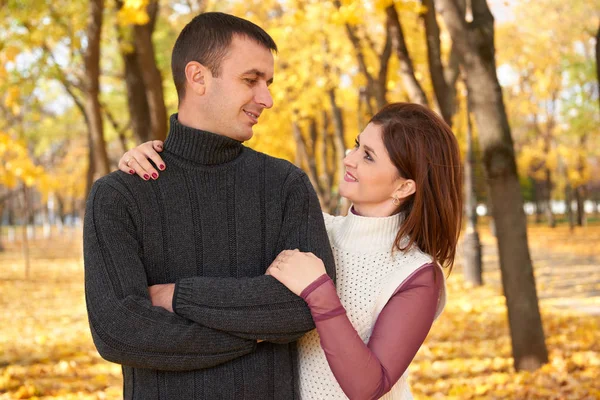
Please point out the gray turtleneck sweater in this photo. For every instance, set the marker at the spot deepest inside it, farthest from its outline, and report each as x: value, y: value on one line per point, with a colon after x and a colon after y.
x: 213, y: 222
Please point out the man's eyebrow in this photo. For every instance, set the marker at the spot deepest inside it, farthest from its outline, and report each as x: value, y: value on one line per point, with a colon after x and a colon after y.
x: 258, y: 73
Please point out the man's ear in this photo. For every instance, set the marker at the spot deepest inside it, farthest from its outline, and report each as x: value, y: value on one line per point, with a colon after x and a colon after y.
x: 406, y: 188
x: 197, y: 76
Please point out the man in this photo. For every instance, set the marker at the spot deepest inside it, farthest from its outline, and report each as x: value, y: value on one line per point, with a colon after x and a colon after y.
x: 212, y: 224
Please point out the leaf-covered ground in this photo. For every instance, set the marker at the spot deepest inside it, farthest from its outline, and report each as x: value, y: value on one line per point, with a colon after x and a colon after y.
x: 46, y: 350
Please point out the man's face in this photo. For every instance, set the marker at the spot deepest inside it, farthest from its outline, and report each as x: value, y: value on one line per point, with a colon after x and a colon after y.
x: 237, y: 97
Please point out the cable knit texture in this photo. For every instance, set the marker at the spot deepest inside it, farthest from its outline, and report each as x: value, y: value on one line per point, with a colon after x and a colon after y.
x: 367, y: 276
x: 213, y: 222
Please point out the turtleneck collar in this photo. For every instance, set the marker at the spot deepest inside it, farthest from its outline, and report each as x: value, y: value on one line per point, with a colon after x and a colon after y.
x: 366, y: 234
x: 200, y: 147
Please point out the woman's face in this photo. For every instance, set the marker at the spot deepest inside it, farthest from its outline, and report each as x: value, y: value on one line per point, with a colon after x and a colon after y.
x: 371, y: 180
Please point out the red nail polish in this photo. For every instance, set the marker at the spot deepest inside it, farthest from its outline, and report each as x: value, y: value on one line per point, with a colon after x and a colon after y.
x: 161, y: 166
x: 146, y: 177
x: 154, y: 175
x: 131, y: 171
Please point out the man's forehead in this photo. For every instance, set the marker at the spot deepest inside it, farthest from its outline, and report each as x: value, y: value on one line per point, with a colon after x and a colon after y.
x: 249, y: 55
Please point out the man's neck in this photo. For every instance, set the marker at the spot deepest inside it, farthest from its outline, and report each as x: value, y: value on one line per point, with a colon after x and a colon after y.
x: 193, y: 119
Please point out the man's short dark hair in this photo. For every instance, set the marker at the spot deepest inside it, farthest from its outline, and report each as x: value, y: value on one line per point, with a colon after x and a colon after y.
x: 206, y: 38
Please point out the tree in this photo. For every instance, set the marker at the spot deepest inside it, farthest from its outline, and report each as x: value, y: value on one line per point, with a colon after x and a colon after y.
x: 552, y: 96
x: 136, y: 23
x: 598, y: 59
x: 474, y: 42
x: 443, y: 77
x: 472, y: 268
x: 375, y: 86
x: 98, y: 156
x: 416, y: 94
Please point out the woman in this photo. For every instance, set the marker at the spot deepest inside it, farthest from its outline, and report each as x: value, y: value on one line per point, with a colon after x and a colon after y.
x: 403, y: 178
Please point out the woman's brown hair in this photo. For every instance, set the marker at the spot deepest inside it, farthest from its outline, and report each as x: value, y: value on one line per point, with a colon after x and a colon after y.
x: 423, y: 148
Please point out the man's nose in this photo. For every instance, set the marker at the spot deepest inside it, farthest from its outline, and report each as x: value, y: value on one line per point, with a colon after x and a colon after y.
x: 264, y: 97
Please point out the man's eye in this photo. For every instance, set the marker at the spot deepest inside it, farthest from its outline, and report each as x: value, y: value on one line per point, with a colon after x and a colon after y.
x: 251, y: 81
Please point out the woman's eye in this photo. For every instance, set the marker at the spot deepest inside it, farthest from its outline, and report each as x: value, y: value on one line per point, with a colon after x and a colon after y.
x: 368, y: 157
x: 356, y: 144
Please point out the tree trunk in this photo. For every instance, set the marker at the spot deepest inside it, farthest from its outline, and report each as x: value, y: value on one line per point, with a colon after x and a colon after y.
x: 444, y: 96
x: 475, y: 44
x: 568, y: 206
x: 579, y: 193
x: 536, y: 200
x: 312, y: 158
x: 2, y: 222
x: 24, y: 232
x: 151, y: 74
x: 375, y: 88
x: 451, y: 74
x: 548, y: 186
x: 89, y: 177
x: 598, y: 60
x: 92, y: 83
x: 364, y: 105
x: 47, y: 220
x: 139, y: 112
x: 472, y: 270
x: 416, y: 94
x: 325, y: 173
x: 303, y: 156
x: 384, y: 62
x: 12, y: 219
x: 362, y: 64
x: 340, y: 149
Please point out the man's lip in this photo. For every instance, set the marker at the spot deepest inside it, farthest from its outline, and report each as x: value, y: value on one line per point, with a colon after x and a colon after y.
x: 253, y: 115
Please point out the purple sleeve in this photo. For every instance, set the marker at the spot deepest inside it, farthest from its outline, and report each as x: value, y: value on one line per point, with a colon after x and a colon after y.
x: 368, y: 371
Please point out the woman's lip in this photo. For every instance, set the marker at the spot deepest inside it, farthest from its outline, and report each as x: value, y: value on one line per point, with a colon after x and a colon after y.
x: 349, y: 178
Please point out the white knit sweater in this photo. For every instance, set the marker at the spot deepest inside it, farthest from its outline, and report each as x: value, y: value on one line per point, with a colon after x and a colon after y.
x: 367, y: 277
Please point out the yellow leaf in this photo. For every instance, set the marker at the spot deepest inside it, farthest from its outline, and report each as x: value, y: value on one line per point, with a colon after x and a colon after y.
x: 11, y: 52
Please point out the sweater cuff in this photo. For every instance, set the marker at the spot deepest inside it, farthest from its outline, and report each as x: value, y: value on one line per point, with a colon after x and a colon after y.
x: 322, y: 299
x: 174, y: 301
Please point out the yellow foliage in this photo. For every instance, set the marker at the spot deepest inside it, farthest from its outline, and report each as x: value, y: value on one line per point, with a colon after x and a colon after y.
x: 133, y: 12
x: 16, y: 165
x: 546, y: 40
x: 12, y: 96
x: 348, y: 14
x: 383, y: 4
x: 10, y: 53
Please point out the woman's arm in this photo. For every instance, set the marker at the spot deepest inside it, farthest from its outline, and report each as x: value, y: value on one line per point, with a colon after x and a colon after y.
x: 368, y: 371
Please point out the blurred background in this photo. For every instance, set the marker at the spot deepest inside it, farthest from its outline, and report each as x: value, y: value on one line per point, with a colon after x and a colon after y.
x: 518, y: 81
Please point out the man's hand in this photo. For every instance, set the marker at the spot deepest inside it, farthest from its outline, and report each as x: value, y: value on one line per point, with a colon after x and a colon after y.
x: 162, y: 295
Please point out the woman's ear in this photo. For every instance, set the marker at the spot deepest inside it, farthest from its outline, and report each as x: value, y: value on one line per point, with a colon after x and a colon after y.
x: 406, y: 188
x: 196, y: 76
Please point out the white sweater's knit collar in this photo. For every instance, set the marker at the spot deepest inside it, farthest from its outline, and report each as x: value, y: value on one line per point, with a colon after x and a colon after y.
x: 358, y: 233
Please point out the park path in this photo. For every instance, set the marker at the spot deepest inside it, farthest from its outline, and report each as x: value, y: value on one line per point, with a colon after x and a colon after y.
x: 567, y: 277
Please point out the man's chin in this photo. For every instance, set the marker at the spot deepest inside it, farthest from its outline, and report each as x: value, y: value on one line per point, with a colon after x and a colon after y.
x: 245, y: 135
